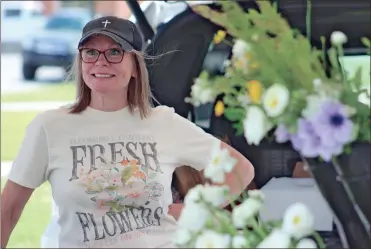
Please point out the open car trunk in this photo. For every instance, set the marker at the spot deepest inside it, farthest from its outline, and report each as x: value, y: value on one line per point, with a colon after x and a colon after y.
x: 182, y: 51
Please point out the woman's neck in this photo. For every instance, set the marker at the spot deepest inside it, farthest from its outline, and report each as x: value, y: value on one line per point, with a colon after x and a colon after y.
x: 108, y: 102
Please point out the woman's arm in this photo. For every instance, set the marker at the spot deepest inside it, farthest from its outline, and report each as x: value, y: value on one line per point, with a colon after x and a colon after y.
x: 13, y: 199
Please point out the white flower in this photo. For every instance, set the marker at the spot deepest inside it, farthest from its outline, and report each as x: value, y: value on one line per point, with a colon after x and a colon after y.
x: 246, y: 210
x: 240, y: 56
x: 193, y: 217
x: 255, y: 125
x: 276, y: 239
x: 240, y: 48
x: 201, y: 93
x: 216, y: 175
x: 338, y: 38
x: 306, y: 243
x: 211, y: 239
x: 221, y: 163
x: 257, y: 194
x: 298, y: 221
x: 182, y: 237
x: 239, y: 241
x: 194, y: 194
x: 216, y: 195
x: 276, y: 99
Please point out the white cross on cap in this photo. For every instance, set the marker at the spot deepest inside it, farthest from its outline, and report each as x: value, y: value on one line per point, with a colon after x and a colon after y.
x: 105, y: 23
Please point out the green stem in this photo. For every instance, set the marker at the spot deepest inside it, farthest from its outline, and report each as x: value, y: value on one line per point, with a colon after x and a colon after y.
x: 215, y: 211
x: 308, y: 19
x: 257, y: 229
x: 319, y: 240
x: 341, y: 64
x: 323, y: 42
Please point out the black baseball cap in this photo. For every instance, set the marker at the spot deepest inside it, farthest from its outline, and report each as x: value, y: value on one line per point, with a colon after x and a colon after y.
x: 122, y: 31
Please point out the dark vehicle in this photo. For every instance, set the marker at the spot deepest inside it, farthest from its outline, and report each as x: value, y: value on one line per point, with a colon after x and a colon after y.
x: 55, y: 43
x: 190, y: 36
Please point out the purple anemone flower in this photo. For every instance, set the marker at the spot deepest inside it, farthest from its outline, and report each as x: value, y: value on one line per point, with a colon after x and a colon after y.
x: 282, y: 134
x: 309, y: 144
x: 305, y: 140
x: 332, y: 124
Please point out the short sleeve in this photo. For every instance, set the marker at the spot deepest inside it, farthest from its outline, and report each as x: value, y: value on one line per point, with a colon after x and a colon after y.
x: 192, y: 146
x: 30, y: 165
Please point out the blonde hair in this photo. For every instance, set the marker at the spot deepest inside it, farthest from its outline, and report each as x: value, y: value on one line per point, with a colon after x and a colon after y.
x: 139, y: 92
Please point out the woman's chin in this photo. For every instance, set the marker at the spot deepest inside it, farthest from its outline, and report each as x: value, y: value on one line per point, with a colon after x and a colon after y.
x: 106, y: 85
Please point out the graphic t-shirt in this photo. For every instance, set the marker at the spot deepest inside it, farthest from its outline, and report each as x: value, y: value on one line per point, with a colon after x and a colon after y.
x: 111, y: 172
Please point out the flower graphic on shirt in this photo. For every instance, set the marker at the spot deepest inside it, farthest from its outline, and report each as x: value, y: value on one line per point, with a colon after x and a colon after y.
x: 118, y: 186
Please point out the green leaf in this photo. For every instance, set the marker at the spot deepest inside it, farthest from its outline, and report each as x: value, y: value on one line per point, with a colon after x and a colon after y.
x: 239, y: 128
x: 357, y: 79
x: 234, y: 114
x: 366, y: 41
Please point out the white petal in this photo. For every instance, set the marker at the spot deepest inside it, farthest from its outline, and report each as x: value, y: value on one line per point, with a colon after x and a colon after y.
x: 182, y: 237
x: 278, y: 93
x: 216, y: 195
x: 193, y: 217
x: 211, y: 239
x: 306, y: 243
x: 257, y: 194
x: 239, y: 241
x: 276, y: 239
x: 338, y: 38
x: 298, y: 221
x: 194, y: 194
x: 246, y: 210
x: 255, y: 125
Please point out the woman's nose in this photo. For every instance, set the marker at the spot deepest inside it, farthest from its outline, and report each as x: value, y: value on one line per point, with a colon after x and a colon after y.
x: 102, y: 60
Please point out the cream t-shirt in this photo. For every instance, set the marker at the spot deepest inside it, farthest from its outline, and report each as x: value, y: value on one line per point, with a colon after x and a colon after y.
x: 111, y: 172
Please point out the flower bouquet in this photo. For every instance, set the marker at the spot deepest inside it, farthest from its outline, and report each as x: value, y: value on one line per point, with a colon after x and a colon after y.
x: 278, y: 87
x: 205, y: 224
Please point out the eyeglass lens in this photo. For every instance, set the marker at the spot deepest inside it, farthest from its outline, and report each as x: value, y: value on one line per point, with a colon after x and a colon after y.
x: 113, y: 55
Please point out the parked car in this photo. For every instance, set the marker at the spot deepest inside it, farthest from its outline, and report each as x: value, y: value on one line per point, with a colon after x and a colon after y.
x: 55, y: 43
x: 20, y: 15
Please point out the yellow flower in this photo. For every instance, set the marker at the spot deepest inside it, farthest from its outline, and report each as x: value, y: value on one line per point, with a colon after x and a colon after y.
x: 219, y: 36
x: 255, y: 90
x: 219, y: 108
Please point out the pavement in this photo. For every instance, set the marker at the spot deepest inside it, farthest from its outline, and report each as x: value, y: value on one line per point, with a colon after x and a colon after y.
x: 31, y: 106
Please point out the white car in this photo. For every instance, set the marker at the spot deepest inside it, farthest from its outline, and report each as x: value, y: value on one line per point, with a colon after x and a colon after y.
x: 20, y: 15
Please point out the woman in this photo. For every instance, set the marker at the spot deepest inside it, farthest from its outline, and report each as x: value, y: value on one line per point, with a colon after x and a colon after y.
x: 110, y: 157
